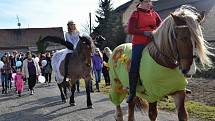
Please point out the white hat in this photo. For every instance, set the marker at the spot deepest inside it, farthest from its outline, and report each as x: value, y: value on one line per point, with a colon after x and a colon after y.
x: 70, y: 22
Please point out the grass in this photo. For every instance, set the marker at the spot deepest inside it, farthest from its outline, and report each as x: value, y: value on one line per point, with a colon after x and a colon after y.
x: 103, y: 88
x: 195, y: 109
x: 201, y: 110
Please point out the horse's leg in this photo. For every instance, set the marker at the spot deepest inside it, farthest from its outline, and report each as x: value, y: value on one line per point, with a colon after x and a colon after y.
x: 153, y: 112
x: 118, y: 115
x: 179, y: 98
x: 88, y: 89
x: 65, y: 91
x: 131, y: 110
x: 61, y: 93
x: 72, y: 100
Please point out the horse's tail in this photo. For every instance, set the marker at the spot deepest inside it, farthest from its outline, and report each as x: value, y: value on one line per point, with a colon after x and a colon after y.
x: 44, y: 42
x: 141, y: 104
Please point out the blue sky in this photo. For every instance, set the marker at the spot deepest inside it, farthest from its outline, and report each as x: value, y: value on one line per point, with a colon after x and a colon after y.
x: 48, y: 13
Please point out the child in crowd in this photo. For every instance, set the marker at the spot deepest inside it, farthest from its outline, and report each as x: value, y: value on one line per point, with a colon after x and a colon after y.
x: 19, y: 81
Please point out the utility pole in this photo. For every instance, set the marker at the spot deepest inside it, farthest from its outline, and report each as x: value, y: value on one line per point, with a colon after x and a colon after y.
x: 18, y: 23
x: 90, y: 22
x: 19, y: 34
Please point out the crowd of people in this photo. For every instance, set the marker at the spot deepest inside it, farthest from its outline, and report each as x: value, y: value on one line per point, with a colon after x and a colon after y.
x: 20, y: 68
x: 24, y: 68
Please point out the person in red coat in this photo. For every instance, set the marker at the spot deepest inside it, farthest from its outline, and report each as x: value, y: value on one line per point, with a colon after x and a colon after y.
x: 141, y: 24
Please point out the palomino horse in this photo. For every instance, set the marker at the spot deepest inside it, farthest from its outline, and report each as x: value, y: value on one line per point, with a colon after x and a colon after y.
x: 79, y: 66
x: 163, y: 65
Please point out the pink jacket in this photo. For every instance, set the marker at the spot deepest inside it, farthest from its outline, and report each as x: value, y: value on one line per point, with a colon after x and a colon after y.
x: 19, y: 81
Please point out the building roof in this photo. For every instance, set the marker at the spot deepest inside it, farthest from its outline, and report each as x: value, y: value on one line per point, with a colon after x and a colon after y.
x: 164, y: 7
x: 170, y: 4
x: 159, y: 5
x: 123, y: 7
x: 26, y: 37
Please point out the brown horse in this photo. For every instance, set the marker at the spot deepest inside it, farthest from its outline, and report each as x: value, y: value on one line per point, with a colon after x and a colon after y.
x: 79, y: 66
x: 169, y: 54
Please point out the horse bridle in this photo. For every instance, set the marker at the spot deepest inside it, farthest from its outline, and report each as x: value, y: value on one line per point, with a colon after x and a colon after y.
x: 177, y: 50
x: 176, y: 60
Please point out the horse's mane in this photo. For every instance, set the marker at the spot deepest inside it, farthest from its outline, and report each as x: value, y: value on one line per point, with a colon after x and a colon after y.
x: 190, y: 15
x: 61, y: 41
x: 53, y: 39
x: 163, y: 36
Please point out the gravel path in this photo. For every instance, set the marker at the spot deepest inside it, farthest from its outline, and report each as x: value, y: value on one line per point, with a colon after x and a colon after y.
x: 46, y: 105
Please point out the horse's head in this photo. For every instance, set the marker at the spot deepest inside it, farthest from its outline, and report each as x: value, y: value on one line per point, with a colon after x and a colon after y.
x: 85, y: 47
x: 178, y: 35
x: 183, y: 44
x: 86, y: 43
x: 184, y: 18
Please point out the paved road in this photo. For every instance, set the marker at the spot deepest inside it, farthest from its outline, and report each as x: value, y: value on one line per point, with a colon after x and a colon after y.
x: 46, y: 105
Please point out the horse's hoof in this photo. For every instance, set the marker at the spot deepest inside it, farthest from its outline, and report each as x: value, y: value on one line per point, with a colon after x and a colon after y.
x: 90, y: 107
x: 72, y: 104
x: 118, y: 117
x: 188, y: 91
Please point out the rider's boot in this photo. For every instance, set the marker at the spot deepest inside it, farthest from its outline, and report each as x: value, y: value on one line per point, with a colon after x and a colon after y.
x: 133, y: 79
x: 66, y: 67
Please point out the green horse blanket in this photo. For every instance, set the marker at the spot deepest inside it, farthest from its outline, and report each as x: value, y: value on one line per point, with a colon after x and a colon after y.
x: 157, y: 81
